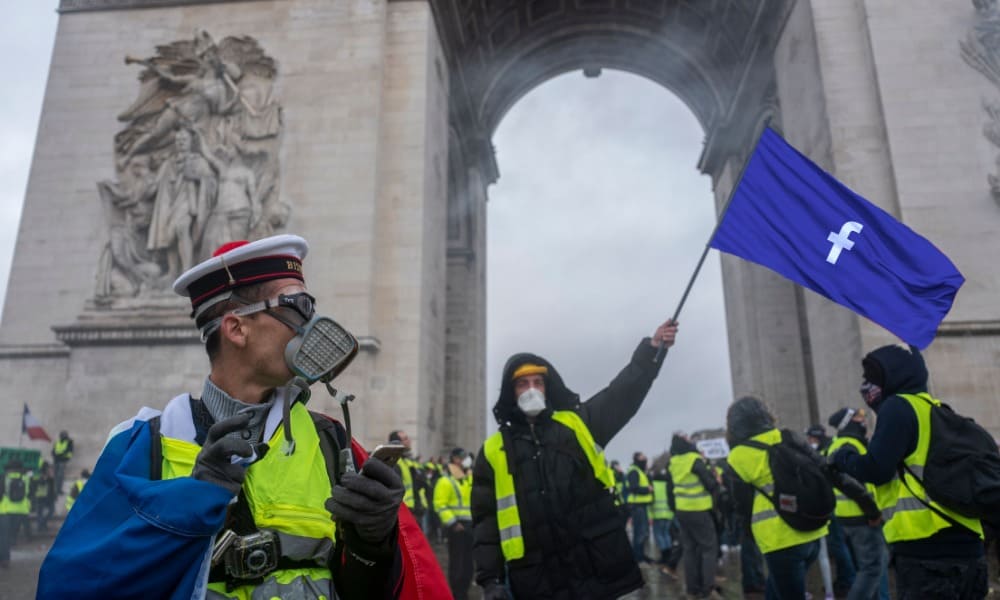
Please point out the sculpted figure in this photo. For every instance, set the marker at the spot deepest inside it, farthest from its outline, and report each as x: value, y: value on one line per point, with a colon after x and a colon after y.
x: 237, y: 209
x: 185, y: 193
x: 127, y: 267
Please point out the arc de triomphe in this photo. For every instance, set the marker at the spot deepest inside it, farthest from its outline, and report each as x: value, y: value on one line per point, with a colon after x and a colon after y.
x: 365, y: 126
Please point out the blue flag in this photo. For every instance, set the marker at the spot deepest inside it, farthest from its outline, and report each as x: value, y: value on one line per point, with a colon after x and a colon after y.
x: 792, y: 217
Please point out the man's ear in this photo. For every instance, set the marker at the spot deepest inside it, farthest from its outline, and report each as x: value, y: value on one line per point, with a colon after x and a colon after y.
x: 234, y: 330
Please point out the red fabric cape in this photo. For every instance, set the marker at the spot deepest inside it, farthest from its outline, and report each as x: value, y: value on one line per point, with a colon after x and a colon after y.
x: 422, y: 576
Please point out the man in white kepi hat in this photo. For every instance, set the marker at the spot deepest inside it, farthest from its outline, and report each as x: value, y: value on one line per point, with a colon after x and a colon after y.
x: 243, y: 492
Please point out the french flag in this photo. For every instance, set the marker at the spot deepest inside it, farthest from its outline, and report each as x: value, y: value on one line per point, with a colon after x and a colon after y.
x: 31, y: 426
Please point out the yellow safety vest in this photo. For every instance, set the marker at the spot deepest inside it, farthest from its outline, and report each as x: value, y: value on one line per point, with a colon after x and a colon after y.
x: 847, y: 508
x: 405, y: 465
x: 287, y: 494
x: 61, y: 450
x: 635, y: 499
x: 661, y: 508
x: 22, y: 506
x: 508, y: 517
x: 690, y: 494
x: 70, y: 499
x: 906, y: 517
x: 452, y: 499
x: 769, y: 529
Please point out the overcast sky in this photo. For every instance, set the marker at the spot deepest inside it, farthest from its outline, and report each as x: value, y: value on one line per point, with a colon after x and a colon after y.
x: 595, y: 225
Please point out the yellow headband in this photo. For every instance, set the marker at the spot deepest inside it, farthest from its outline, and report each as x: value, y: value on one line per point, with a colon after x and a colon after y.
x: 529, y: 369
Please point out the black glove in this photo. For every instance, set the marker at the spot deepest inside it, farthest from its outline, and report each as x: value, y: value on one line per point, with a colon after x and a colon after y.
x: 369, y: 500
x: 495, y: 591
x: 214, y: 463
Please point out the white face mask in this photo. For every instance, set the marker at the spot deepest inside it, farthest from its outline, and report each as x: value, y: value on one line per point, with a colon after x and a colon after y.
x: 531, y: 402
x: 814, y: 445
x: 467, y: 462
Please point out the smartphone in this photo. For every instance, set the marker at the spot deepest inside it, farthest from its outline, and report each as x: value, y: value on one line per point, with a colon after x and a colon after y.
x: 389, y: 453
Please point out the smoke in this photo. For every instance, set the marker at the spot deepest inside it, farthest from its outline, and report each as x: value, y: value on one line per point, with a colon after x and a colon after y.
x: 595, y: 226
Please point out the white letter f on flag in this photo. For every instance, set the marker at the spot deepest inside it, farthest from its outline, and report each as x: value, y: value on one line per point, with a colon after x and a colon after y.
x: 842, y: 240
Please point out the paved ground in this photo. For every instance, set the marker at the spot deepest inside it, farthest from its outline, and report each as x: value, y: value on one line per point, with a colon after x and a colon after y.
x: 20, y: 580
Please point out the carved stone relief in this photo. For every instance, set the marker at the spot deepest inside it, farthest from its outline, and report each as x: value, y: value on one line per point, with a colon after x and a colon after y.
x: 196, y: 163
x: 981, y: 51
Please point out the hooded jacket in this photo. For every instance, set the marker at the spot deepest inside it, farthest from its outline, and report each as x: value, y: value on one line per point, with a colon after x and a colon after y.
x: 898, y: 370
x: 575, y: 542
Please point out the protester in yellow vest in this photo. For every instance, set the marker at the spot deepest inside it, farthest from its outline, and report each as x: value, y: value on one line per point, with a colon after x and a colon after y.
x: 15, y: 504
x: 933, y: 547
x: 691, y: 487
x: 640, y: 497
x: 411, y: 472
x: 788, y: 551
x: 62, y: 453
x: 543, y: 506
x: 452, y: 501
x: 864, y: 539
x: 662, y: 516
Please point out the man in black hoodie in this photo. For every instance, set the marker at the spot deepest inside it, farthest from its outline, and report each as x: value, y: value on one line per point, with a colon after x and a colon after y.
x: 543, y: 511
x: 936, y: 552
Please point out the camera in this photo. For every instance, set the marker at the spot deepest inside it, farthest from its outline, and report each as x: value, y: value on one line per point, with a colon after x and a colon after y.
x: 253, y: 556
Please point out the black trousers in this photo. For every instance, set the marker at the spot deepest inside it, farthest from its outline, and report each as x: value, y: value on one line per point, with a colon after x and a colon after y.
x: 460, y: 568
x: 940, y: 578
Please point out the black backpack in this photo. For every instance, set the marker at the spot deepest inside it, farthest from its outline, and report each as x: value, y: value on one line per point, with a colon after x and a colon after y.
x: 15, y: 489
x: 963, y: 466
x: 803, y: 496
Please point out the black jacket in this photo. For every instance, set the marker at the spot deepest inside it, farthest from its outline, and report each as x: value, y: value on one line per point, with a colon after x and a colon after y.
x: 575, y: 542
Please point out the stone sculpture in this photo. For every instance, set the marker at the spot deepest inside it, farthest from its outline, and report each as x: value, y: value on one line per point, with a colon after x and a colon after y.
x: 196, y: 163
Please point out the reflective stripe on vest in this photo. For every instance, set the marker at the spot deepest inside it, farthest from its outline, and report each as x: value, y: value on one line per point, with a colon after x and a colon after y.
x: 287, y: 494
x: 690, y: 494
x: 405, y: 465
x: 906, y: 517
x: 508, y: 518
x: 846, y: 507
x: 452, y: 499
x: 646, y: 498
x: 769, y: 530
x: 661, y: 508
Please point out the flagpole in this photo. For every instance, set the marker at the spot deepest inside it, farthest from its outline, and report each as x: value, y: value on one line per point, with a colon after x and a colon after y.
x: 662, y: 352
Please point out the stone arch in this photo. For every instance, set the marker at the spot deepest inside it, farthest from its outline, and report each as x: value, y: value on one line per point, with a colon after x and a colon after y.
x: 717, y: 57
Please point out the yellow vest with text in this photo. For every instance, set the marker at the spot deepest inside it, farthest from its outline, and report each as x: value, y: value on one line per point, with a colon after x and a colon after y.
x: 508, y: 517
x: 287, y: 494
x: 661, y: 508
x: 906, y: 517
x: 453, y: 499
x: 769, y: 530
x: 22, y: 506
x: 690, y: 494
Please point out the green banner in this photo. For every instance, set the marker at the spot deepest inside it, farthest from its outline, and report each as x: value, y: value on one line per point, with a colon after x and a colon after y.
x: 30, y: 459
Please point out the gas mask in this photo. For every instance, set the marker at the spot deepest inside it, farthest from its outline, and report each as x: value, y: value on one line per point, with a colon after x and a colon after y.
x: 531, y: 402
x: 321, y: 348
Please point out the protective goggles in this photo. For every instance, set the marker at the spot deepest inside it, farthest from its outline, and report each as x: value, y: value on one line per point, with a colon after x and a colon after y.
x: 302, y: 303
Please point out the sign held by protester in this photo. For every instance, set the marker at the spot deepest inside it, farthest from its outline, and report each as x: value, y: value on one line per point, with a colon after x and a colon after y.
x: 713, y: 448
